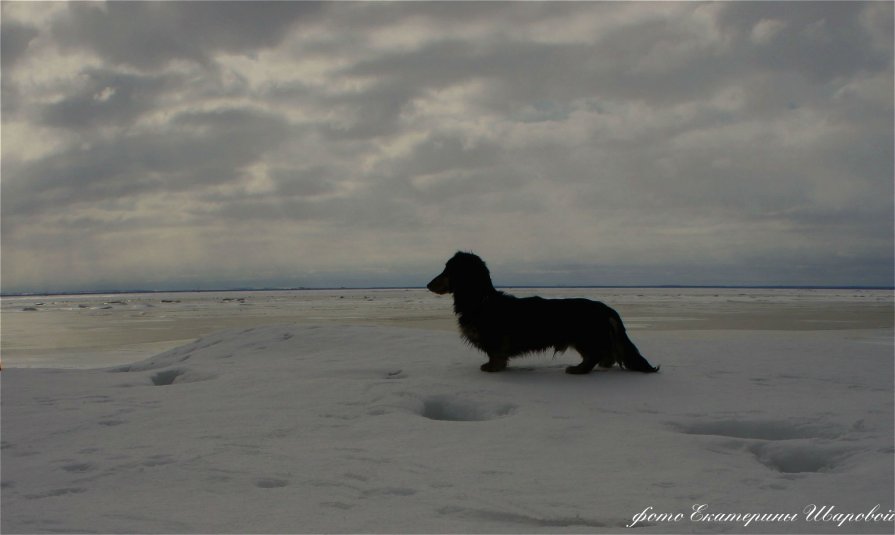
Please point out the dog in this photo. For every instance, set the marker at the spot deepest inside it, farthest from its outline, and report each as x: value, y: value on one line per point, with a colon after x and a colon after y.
x: 504, y: 326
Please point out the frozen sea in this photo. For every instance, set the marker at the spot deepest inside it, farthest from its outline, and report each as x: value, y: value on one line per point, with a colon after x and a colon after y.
x: 361, y: 411
x: 84, y: 331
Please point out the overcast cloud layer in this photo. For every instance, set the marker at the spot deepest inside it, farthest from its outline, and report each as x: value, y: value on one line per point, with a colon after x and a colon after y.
x: 206, y: 145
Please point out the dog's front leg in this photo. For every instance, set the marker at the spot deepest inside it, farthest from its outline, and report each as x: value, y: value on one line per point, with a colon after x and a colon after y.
x: 495, y: 363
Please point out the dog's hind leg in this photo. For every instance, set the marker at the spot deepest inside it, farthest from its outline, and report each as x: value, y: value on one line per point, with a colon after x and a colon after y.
x: 589, y: 359
x: 495, y: 363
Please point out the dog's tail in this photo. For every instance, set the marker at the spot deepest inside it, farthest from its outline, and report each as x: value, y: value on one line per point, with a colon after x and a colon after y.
x: 623, y: 349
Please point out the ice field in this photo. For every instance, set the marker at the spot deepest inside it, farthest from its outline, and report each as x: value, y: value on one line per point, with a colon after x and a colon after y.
x: 362, y: 411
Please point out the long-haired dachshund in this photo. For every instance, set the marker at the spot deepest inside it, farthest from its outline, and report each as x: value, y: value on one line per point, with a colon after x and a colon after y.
x: 504, y: 326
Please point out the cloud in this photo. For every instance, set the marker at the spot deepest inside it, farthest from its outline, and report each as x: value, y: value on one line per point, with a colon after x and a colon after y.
x: 570, y: 143
x: 100, y: 97
x: 14, y: 40
x: 820, y: 40
x: 193, y: 151
x: 16, y: 37
x: 149, y: 35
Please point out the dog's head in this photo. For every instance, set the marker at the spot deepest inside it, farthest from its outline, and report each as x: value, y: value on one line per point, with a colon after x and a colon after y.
x: 463, y: 272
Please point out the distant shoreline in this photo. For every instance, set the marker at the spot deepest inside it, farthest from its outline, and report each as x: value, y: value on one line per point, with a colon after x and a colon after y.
x: 347, y: 288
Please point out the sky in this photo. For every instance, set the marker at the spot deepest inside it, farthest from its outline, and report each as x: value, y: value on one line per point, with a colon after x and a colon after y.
x: 204, y: 145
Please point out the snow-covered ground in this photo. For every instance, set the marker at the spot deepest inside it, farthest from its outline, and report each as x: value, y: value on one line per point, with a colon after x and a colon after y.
x: 363, y: 425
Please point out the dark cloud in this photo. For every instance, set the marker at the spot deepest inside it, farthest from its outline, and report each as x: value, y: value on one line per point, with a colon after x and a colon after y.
x: 151, y: 34
x: 195, y: 151
x: 312, y: 181
x: 819, y: 40
x: 370, y: 113
x: 14, y: 40
x: 442, y: 152
x: 102, y: 97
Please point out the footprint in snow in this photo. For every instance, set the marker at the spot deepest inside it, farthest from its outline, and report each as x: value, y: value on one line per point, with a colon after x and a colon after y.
x: 445, y: 408
x: 270, y: 483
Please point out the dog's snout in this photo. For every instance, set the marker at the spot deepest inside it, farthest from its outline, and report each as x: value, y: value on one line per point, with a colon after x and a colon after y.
x: 440, y: 284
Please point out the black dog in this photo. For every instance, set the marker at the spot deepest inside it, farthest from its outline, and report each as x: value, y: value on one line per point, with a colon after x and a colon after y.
x: 504, y: 326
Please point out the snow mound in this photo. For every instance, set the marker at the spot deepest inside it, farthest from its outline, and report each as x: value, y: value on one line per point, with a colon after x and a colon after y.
x: 764, y: 429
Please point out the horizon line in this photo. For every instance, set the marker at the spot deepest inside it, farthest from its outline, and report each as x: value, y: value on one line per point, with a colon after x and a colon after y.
x: 422, y: 287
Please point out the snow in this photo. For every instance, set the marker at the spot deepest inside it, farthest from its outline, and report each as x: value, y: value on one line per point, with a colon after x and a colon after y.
x: 337, y: 426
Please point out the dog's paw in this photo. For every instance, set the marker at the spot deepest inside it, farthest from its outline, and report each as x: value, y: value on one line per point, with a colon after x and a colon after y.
x: 577, y: 370
x: 492, y: 367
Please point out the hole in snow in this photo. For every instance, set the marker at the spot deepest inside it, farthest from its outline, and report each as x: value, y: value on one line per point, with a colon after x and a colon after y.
x: 166, y: 377
x: 177, y: 375
x: 271, y: 483
x: 451, y: 410
x: 789, y: 458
